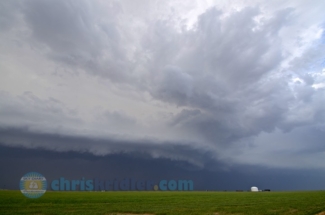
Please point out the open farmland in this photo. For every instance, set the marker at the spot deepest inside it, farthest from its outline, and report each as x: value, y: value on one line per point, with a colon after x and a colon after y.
x: 122, y: 203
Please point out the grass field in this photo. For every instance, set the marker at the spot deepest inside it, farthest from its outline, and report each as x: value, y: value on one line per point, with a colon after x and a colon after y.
x: 122, y: 203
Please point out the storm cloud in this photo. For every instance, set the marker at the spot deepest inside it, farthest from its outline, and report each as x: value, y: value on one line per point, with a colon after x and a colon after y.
x: 236, y: 83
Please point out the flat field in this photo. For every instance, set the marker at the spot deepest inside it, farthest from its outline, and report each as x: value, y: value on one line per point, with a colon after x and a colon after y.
x: 129, y: 203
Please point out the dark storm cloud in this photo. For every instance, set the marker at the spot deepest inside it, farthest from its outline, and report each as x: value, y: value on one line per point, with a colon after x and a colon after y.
x: 226, y: 82
x: 145, y: 148
x: 73, y: 166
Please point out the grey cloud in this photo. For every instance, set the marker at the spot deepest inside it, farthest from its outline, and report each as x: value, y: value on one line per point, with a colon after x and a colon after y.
x: 227, y: 70
x: 229, y: 48
x: 78, y: 37
x: 9, y: 11
x: 218, y: 53
x: 22, y: 137
x: 30, y: 111
x: 297, y: 149
x: 175, y: 86
x: 184, y: 116
x: 227, y: 79
x: 66, y: 26
x: 77, y: 165
x: 116, y: 120
x: 52, y: 116
x: 281, y: 18
x: 308, y: 79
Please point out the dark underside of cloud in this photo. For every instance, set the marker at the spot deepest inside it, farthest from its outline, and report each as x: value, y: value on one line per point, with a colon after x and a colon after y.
x: 15, y: 162
x: 195, y: 156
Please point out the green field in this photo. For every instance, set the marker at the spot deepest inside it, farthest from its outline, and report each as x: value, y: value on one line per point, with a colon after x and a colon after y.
x: 122, y: 203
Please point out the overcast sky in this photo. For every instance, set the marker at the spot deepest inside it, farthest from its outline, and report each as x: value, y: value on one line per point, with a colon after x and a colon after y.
x: 201, y: 87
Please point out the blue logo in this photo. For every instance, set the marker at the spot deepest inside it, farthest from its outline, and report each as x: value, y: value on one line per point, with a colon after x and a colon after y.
x: 33, y: 185
x: 127, y: 184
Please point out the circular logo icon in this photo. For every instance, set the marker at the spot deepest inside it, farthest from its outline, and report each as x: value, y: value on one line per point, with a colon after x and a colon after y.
x: 33, y: 185
x: 156, y: 187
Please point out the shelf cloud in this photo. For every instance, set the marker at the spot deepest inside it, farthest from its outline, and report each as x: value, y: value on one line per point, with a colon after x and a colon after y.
x: 235, y: 83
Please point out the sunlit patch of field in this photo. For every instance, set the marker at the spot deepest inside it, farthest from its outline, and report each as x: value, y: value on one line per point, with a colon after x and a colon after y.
x: 159, y: 203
